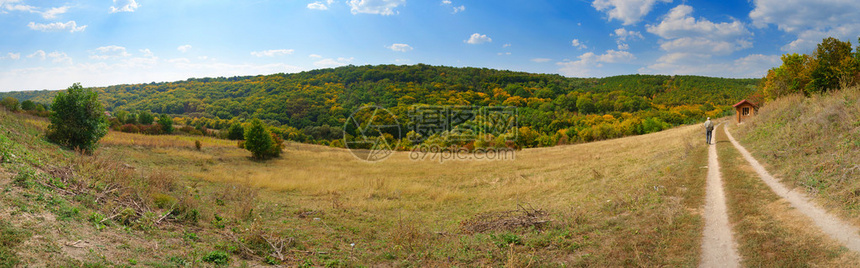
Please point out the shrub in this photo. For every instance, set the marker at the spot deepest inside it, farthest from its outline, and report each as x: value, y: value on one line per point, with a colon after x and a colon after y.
x: 130, y: 128
x: 77, y: 119
x: 166, y: 123
x: 216, y: 257
x: 198, y: 145
x: 10, y: 103
x: 28, y: 105
x: 260, y: 141
x: 236, y: 132
x: 145, y: 118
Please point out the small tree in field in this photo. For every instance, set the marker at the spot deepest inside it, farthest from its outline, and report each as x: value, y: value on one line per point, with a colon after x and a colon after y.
x: 166, y: 123
x: 77, y: 119
x: 236, y: 132
x: 10, y: 103
x: 259, y: 141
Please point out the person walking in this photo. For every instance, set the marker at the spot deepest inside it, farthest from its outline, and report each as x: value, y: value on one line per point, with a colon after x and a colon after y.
x: 709, y: 129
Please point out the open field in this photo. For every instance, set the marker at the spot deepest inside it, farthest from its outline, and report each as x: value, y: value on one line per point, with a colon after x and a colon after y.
x: 629, y: 201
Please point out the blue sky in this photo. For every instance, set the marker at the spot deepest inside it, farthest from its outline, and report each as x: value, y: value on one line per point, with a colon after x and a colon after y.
x: 52, y: 44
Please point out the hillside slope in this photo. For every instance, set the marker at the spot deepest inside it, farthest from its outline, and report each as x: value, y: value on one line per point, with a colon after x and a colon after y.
x: 813, y: 144
x: 629, y: 201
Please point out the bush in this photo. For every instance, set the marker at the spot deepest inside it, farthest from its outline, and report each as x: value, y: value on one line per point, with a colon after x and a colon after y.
x: 260, y: 141
x: 216, y: 257
x: 28, y: 105
x: 145, y: 118
x: 236, y: 132
x: 10, y: 103
x: 130, y: 128
x: 77, y: 119
x: 166, y: 123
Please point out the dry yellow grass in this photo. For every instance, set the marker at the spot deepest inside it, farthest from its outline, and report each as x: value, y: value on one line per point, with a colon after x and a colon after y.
x: 626, y: 201
x: 161, y: 141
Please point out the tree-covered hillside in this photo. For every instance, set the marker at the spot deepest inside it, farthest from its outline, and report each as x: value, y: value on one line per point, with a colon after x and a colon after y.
x: 313, y: 105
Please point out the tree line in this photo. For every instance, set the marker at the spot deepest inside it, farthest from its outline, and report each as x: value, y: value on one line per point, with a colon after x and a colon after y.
x: 313, y: 106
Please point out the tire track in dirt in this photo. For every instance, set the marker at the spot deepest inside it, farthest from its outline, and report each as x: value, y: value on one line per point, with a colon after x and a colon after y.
x: 837, y: 229
x: 718, y: 246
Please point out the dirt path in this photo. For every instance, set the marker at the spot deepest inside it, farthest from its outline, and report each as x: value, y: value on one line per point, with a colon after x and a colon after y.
x: 834, y: 227
x: 718, y: 247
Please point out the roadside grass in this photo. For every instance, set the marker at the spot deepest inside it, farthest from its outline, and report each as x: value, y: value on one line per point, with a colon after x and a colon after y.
x: 768, y: 230
x: 814, y: 144
x: 633, y: 201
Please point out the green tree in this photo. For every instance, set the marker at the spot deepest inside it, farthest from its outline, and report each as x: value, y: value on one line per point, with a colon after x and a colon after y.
x: 77, y: 119
x: 166, y: 123
x: 259, y: 141
x: 145, y: 117
x: 236, y: 132
x: 28, y: 105
x: 829, y: 58
x: 10, y: 103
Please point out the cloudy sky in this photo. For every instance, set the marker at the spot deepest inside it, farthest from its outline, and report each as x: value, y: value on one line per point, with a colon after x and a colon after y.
x: 52, y: 44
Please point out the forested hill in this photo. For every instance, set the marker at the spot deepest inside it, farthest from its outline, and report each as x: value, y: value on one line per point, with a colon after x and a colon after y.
x: 548, y: 103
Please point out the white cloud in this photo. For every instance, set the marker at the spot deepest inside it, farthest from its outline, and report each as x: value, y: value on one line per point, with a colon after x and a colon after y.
x: 810, y: 21
x: 331, y: 63
x: 39, y: 53
x: 684, y: 34
x: 541, y: 60
x: 72, y: 26
x: 16, y: 5
x: 459, y: 9
x: 380, y: 7
x: 128, y: 71
x: 13, y: 56
x: 183, y: 48
x: 589, y: 61
x: 109, y: 52
x: 506, y: 45
x: 575, y: 43
x: 146, y: 52
x: 446, y: 2
x: 315, y: 56
x: 53, y: 12
x: 628, y: 11
x: 124, y: 6
x: 622, y: 34
x: 400, y: 47
x: 477, y: 38
x: 750, y: 66
x: 59, y: 57
x: 503, y: 53
x: 272, y: 52
x: 317, y: 6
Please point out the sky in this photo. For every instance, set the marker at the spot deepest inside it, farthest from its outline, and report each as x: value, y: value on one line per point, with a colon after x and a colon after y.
x: 53, y: 44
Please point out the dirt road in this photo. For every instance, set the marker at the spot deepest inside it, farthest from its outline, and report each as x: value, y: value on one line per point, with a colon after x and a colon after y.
x: 718, y: 246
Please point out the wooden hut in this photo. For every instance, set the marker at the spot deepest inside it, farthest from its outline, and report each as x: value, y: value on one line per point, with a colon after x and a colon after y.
x: 745, y: 109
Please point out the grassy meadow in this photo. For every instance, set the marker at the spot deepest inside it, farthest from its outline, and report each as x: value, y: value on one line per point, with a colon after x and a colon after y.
x: 632, y: 201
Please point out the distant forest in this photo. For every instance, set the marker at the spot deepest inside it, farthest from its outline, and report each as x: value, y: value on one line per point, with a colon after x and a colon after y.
x: 313, y: 106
